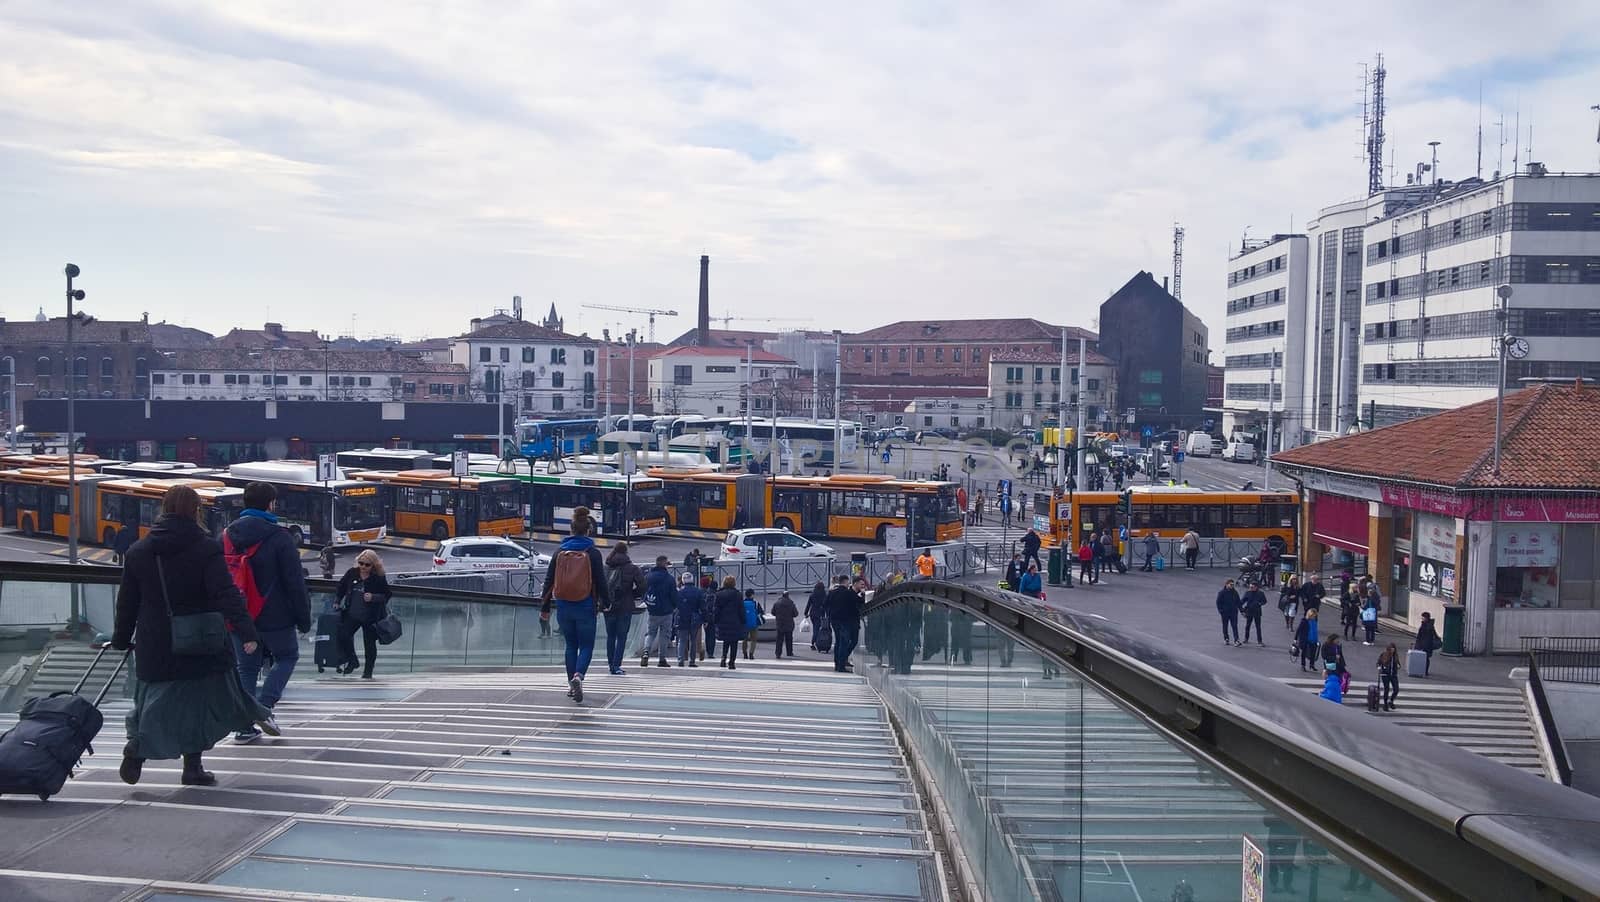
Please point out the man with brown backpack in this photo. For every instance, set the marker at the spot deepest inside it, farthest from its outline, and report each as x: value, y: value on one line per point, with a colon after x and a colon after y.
x: 575, y: 586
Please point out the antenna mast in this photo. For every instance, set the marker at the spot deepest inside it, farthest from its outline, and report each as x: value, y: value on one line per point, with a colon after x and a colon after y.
x: 1375, y: 135
x: 1480, y: 129
x: 1177, y: 261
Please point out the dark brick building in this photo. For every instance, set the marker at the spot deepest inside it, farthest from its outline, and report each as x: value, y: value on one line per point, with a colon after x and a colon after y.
x: 1161, y: 353
x: 109, y: 359
x: 947, y: 352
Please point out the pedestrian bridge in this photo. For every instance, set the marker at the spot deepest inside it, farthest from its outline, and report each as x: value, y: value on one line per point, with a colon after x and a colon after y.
x: 1068, y: 760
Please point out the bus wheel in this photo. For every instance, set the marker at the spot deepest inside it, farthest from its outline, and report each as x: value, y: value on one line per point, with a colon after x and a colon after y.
x: 27, y: 527
x: 109, y: 539
x: 784, y: 523
x: 883, y: 534
x: 439, y: 531
x: 298, y: 536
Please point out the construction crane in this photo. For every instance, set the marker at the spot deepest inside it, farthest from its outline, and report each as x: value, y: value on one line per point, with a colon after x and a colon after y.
x: 646, y: 310
x: 729, y: 318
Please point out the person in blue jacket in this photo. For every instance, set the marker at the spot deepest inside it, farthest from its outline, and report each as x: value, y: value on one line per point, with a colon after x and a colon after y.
x: 576, y: 616
x: 660, y: 602
x: 688, y: 611
x: 1031, y: 586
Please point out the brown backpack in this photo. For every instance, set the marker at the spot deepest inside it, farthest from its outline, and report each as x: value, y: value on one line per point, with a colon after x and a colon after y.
x: 574, y: 580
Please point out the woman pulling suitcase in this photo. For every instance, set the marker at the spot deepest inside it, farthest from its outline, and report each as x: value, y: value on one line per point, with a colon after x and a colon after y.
x: 363, y: 600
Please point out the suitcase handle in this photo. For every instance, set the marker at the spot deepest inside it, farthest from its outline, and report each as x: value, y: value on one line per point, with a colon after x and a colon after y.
x: 117, y: 671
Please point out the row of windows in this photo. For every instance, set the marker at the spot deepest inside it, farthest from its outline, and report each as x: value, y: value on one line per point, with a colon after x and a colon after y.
x: 486, y: 354
x: 1253, y: 391
x: 1014, y: 399
x: 1015, y: 374
x: 1531, y: 322
x: 1518, y: 217
x: 1433, y: 372
x: 1518, y: 269
x: 1257, y: 270
x: 1254, y: 361
x: 953, y: 354
x: 1206, y: 519
x: 557, y: 402
x: 1255, y: 330
x: 1251, y: 302
x: 108, y: 367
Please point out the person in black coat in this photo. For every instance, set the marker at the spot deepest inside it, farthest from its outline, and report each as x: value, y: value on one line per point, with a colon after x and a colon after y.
x: 844, y: 613
x: 817, y: 611
x: 1014, y: 571
x: 786, y: 613
x: 363, y: 599
x: 1030, y: 547
x: 1251, y: 605
x: 1228, y: 603
x: 728, y: 615
x: 182, y: 704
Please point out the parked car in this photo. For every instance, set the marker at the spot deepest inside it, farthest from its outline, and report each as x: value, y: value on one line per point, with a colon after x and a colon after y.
x: 486, y: 553
x: 1239, y: 452
x: 767, y: 544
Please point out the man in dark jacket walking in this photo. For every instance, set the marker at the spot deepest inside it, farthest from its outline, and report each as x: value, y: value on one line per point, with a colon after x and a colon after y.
x: 1252, y: 603
x: 625, y: 586
x: 1228, y: 607
x: 691, y: 602
x: 1030, y: 549
x: 660, y: 600
x: 786, y: 613
x: 844, y: 614
x: 274, y: 562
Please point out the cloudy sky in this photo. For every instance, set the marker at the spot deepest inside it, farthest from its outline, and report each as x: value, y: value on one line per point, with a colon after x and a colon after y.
x: 395, y: 168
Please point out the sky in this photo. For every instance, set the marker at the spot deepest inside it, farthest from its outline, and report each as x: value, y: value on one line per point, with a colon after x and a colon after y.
x: 381, y: 168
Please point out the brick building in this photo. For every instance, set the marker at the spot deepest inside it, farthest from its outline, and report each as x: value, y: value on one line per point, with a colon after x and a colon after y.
x: 111, y: 359
x: 238, y: 374
x: 947, y: 352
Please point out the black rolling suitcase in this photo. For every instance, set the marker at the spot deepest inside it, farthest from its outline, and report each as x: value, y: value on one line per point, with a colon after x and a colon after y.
x: 326, y: 651
x: 51, y: 736
x: 1373, y: 699
x: 825, y: 638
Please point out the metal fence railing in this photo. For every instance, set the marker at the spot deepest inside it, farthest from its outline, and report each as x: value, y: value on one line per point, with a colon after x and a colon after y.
x: 1565, y: 659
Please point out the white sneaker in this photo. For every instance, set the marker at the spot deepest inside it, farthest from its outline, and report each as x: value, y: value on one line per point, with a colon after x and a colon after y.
x: 577, y: 687
x: 269, y: 726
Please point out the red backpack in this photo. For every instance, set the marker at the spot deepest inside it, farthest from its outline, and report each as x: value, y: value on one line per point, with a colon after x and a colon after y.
x: 244, y: 575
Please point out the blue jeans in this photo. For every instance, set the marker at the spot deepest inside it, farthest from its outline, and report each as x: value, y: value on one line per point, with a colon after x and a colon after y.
x: 617, y: 626
x: 284, y: 646
x: 576, y: 620
x: 845, y: 636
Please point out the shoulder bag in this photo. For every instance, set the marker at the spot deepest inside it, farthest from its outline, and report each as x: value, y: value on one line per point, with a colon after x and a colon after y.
x: 388, y: 629
x: 193, y: 635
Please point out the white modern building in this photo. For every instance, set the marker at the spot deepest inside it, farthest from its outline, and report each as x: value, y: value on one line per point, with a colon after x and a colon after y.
x: 544, y: 371
x: 1025, y: 388
x: 1266, y: 325
x: 710, y: 381
x: 1430, y: 336
x: 293, y: 374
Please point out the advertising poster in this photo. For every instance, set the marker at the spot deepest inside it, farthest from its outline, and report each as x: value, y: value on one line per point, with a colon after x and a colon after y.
x: 1254, y: 872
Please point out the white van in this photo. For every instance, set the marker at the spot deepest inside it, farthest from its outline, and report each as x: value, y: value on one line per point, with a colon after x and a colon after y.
x: 1239, y: 453
x: 1200, y: 445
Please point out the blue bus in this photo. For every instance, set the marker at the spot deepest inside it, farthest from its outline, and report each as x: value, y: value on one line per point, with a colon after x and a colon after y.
x: 550, y: 438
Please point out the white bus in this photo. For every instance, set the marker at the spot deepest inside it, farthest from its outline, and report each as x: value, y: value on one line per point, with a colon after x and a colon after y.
x: 553, y: 491
x: 802, y: 444
x: 340, y: 512
x: 389, y: 460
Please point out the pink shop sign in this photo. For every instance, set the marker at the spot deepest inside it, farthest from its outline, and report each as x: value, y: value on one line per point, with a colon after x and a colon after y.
x: 1580, y: 509
x: 1428, y: 500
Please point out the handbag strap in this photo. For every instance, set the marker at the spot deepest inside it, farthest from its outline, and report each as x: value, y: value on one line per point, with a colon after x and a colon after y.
x: 161, y: 574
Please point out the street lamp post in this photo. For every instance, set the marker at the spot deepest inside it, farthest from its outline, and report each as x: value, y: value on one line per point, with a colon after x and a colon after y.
x: 11, y: 403
x: 73, y: 294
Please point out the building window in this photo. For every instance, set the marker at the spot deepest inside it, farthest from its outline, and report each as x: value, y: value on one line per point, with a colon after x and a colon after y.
x: 1149, y: 399
x: 527, y: 403
x: 364, y: 381
x: 1038, y: 400
x: 409, y: 388
x: 505, y: 355
x: 938, y: 355
x: 1150, y: 377
x: 157, y: 379
x: 683, y: 375
x: 485, y: 354
x: 866, y: 355
x: 348, y: 380
x: 557, y: 402
x: 722, y: 369
x: 919, y: 354
x: 205, y: 378
x: 530, y: 379
x: 1013, y: 375
x: 1091, y: 385
x: 108, y: 369
x: 588, y: 356
x: 558, y: 355
x: 1055, y: 374
x: 903, y: 355
x: 1038, y: 374
x: 141, y: 369
x: 305, y: 380
x: 527, y: 355
x: 955, y: 355
x: 230, y: 379
x: 558, y: 379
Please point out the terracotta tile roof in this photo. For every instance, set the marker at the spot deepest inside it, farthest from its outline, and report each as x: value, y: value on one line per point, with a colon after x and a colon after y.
x: 963, y: 330
x: 1551, y: 437
x: 726, y: 338
x: 290, y: 360
x: 272, y: 335
x: 524, y: 331
x: 756, y: 354
x: 55, y: 330
x: 1095, y: 357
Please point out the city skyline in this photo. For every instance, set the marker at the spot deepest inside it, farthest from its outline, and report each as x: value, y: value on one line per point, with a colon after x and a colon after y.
x: 399, y: 175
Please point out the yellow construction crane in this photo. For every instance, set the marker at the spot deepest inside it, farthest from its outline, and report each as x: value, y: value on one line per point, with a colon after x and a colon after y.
x: 652, y: 313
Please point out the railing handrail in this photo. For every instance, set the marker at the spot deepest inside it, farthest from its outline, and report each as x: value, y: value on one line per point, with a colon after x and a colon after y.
x: 1547, y: 722
x: 1427, y: 794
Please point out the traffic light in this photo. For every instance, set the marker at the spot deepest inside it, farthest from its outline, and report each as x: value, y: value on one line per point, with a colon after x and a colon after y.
x: 1125, y: 505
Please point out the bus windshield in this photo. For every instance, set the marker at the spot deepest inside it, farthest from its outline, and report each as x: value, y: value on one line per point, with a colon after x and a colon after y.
x: 648, y: 504
x: 357, y: 509
x: 949, y: 512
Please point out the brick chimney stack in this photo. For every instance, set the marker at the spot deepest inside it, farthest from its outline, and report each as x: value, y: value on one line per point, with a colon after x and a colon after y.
x: 703, y: 332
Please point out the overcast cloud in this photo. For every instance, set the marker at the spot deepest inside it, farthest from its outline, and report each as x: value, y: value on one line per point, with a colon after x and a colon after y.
x: 397, y: 168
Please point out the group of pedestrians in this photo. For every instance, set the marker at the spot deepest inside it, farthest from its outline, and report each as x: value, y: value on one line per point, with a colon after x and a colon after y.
x: 1098, y: 554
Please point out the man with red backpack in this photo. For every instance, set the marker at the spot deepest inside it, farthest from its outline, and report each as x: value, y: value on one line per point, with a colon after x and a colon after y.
x: 265, y: 565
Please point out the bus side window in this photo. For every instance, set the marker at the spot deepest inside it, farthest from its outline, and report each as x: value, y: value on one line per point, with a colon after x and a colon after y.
x: 1244, y: 516
x: 27, y: 496
x: 1142, y: 517
x: 714, y: 496
x: 149, y: 511
x: 61, y: 502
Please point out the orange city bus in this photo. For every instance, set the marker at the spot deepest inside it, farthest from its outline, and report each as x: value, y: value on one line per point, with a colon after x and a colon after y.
x: 434, y: 504
x: 136, y: 503
x: 36, y: 500
x: 1171, y: 511
x: 83, y: 463
x: 844, y: 506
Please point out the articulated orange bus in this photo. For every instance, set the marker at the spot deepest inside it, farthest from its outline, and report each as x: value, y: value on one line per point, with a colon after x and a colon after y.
x: 136, y: 503
x: 1170, y: 511
x: 36, y: 500
x: 433, y: 504
x: 845, y: 506
x: 84, y: 463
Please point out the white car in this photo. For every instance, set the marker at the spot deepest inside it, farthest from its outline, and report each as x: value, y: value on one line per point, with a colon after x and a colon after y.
x: 760, y: 545
x: 486, y: 553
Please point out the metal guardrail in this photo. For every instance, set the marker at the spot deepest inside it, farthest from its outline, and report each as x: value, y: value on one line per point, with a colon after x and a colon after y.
x: 1433, y: 821
x: 1565, y: 659
x: 1547, y: 722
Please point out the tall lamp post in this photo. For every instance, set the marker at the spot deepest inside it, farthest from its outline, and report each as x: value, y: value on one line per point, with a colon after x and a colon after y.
x: 73, y: 294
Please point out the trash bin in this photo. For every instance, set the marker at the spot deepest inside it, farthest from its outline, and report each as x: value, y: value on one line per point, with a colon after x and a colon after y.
x: 1455, y: 627
x: 1053, y: 575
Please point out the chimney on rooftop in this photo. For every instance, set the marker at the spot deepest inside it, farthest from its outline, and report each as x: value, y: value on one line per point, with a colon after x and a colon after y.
x: 703, y: 330
x: 1164, y: 280
x: 275, y: 328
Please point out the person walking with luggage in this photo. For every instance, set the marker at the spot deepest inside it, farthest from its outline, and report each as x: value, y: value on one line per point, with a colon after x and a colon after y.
x: 1191, y: 549
x: 728, y: 617
x: 264, y: 564
x: 1370, y: 605
x: 625, y: 586
x: 1427, y: 642
x: 1305, y: 639
x: 1289, y: 601
x: 817, y: 612
x: 1228, y: 607
x: 1250, y: 605
x: 1152, y: 549
x: 175, y: 586
x: 755, y: 616
x: 688, y: 611
x: 1389, y: 673
x: 575, y: 587
x: 844, y: 613
x: 660, y: 602
x: 363, y: 599
x: 786, y: 613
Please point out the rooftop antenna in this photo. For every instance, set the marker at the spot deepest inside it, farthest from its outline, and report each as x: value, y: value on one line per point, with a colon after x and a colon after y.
x: 1480, y: 130
x: 1500, y: 159
x: 1177, y: 262
x: 1375, y: 133
x: 1596, y: 108
x: 1516, y: 139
